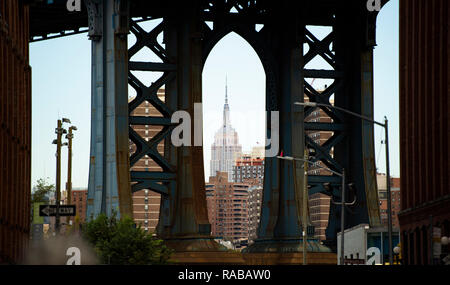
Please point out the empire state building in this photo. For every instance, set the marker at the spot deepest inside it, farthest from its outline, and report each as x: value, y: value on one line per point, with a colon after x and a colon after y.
x: 226, y: 147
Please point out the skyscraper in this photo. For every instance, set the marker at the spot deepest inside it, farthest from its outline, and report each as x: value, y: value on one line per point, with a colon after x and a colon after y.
x: 226, y: 147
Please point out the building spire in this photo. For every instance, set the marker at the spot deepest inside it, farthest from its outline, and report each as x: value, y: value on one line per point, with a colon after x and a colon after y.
x: 226, y: 90
x: 226, y: 108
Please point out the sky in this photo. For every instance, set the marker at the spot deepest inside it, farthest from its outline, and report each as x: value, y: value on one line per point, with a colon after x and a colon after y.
x: 61, y: 88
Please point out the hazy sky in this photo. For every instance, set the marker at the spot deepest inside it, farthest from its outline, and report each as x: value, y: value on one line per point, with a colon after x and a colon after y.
x: 61, y: 88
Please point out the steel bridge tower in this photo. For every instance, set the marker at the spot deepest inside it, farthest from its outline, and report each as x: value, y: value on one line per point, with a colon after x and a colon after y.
x: 285, y: 44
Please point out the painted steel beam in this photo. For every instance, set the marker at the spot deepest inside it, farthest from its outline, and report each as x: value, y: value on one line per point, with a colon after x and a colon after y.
x: 281, y: 223
x: 187, y: 42
x: 324, y: 127
x: 109, y: 178
x: 183, y: 220
x: 152, y: 66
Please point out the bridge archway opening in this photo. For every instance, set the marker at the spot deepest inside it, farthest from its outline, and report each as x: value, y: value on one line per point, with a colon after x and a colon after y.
x: 234, y: 125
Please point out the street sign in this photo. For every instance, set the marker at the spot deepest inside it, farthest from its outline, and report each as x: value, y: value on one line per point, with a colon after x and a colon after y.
x: 50, y: 210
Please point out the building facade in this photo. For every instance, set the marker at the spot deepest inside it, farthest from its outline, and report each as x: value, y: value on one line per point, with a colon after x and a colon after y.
x: 79, y: 199
x: 319, y: 204
x: 15, y: 131
x: 226, y: 148
x: 319, y: 211
x: 247, y: 167
x: 255, y: 193
x: 424, y: 127
x: 146, y: 203
x: 395, y: 199
x: 228, y: 210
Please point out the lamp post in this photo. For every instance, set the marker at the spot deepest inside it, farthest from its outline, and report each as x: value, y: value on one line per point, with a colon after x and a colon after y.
x: 397, y: 252
x: 446, y: 259
x: 445, y: 240
x: 388, y: 177
x: 305, y: 189
x: 59, y: 132
x: 69, y: 138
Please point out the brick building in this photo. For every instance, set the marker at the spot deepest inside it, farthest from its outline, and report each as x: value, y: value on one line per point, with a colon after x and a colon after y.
x: 319, y: 204
x: 248, y: 167
x: 424, y: 126
x: 228, y: 210
x: 79, y: 199
x: 15, y: 130
x: 255, y: 193
x: 146, y: 203
x: 395, y: 199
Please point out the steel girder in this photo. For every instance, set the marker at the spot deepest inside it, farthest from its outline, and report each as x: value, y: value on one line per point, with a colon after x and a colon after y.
x: 279, y: 49
x: 188, y: 41
x: 109, y: 176
x: 352, y: 40
x: 348, y: 49
x: 183, y: 220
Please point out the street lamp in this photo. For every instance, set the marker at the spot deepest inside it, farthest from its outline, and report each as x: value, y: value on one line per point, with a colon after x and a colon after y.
x: 342, y: 203
x: 396, y: 252
x: 59, y: 131
x: 445, y: 241
x: 69, y: 137
x: 388, y: 177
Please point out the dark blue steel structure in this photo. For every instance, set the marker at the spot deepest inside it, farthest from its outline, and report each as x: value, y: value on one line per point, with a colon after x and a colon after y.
x: 285, y: 45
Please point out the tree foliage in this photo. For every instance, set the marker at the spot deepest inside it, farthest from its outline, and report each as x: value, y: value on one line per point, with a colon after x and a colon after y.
x: 120, y: 242
x: 42, y: 189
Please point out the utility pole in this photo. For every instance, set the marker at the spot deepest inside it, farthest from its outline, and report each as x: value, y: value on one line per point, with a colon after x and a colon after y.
x: 59, y: 132
x: 342, y: 203
x: 388, y: 175
x: 343, y: 217
x: 388, y: 183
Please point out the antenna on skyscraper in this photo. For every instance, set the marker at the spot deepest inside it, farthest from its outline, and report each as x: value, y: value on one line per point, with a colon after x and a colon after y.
x: 226, y: 89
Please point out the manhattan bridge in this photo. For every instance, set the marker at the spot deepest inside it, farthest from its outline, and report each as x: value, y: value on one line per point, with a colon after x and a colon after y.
x: 285, y: 45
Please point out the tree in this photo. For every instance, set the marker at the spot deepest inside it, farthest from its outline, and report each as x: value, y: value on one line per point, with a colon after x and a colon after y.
x: 119, y: 241
x: 39, y: 194
x: 42, y: 189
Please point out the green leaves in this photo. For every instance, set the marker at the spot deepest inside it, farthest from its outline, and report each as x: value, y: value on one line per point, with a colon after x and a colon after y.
x: 120, y: 242
x: 42, y: 189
